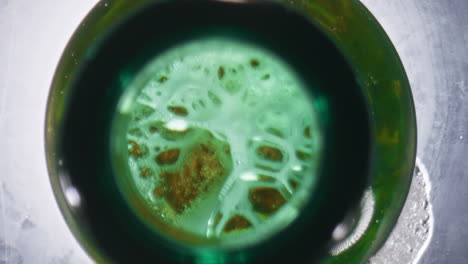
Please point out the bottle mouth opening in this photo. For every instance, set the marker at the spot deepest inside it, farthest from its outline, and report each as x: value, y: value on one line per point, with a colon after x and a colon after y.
x: 220, y: 139
x: 212, y: 124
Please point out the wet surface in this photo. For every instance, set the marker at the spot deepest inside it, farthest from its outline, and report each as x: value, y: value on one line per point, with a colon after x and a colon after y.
x: 413, y: 232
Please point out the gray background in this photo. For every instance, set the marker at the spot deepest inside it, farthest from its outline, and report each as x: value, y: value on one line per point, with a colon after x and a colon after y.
x: 431, y: 37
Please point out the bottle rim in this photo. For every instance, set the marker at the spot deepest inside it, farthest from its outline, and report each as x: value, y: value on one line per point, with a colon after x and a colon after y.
x: 345, y: 122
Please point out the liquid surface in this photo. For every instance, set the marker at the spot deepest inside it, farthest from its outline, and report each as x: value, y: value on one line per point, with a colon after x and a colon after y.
x: 222, y: 140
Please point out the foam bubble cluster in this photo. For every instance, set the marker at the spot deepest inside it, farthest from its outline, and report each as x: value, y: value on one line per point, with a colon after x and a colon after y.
x: 222, y: 140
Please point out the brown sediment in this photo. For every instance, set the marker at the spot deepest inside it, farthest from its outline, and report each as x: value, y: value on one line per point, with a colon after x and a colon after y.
x: 237, y: 223
x: 267, y: 168
x: 266, y: 178
x: 162, y: 79
x: 220, y: 72
x: 275, y: 132
x: 218, y: 219
x: 159, y: 192
x: 136, y: 132
x: 200, y: 170
x: 227, y: 150
x: 178, y: 110
x: 293, y: 183
x: 307, y: 132
x: 266, y: 200
x: 302, y: 155
x: 135, y: 150
x: 270, y: 153
x: 173, y: 135
x: 254, y: 63
x: 153, y: 129
x: 168, y: 157
x: 147, y: 172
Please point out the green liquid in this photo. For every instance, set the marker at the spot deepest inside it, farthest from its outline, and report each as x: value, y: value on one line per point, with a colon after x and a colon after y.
x: 221, y: 139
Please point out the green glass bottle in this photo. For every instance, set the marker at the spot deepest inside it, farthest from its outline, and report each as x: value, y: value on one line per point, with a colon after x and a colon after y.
x: 208, y: 132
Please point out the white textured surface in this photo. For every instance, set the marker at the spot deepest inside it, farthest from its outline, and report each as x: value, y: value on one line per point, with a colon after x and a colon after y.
x: 32, y: 37
x: 413, y: 232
